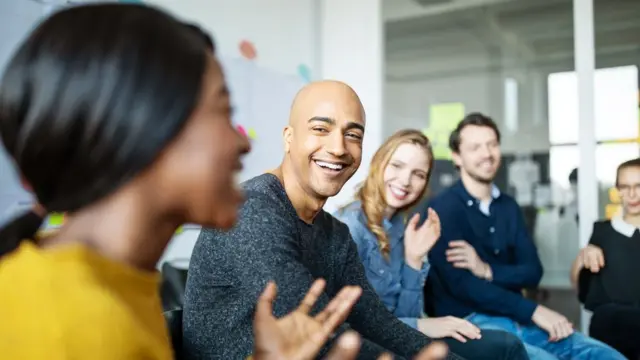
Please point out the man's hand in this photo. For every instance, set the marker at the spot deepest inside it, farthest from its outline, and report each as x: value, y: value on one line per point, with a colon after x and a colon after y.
x: 550, y: 321
x: 464, y: 256
x: 349, y: 343
x: 298, y: 335
x: 592, y: 258
x: 448, y: 326
x: 418, y: 240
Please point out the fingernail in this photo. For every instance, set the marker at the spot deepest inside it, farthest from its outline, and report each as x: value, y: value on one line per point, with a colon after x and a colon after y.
x: 349, y: 340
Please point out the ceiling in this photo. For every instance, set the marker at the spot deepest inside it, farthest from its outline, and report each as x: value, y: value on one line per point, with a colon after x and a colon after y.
x: 454, y: 35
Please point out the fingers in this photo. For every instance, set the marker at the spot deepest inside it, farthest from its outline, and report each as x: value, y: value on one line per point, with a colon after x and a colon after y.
x: 346, y: 347
x: 435, y: 219
x: 338, y: 309
x: 312, y: 296
x: 592, y: 262
x: 435, y: 351
x: 458, y: 244
x: 553, y: 334
x: 468, y: 329
x: 453, y: 257
x: 264, y: 308
x: 457, y: 251
x: 332, y: 316
x: 343, y: 309
x: 462, y: 265
x: 413, y: 222
x: 454, y: 334
x: 563, y: 329
x: 457, y: 255
x: 600, y: 258
x: 593, y: 259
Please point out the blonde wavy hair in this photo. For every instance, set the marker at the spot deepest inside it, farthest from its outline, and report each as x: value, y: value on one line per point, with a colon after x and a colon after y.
x: 372, y: 191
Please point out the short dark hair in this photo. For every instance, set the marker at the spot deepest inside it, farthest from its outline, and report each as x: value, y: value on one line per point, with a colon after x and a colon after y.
x: 476, y: 119
x: 208, y: 41
x: 92, y: 97
x: 625, y: 165
x: 573, y: 176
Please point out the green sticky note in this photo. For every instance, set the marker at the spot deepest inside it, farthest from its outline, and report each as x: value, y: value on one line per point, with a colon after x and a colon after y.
x: 179, y: 230
x: 445, y: 116
x: 56, y: 219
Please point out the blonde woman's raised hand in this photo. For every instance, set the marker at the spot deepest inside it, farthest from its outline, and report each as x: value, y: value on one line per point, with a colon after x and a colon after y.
x: 418, y: 240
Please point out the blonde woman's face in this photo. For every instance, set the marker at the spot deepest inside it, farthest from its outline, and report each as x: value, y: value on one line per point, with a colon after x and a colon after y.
x: 405, y: 176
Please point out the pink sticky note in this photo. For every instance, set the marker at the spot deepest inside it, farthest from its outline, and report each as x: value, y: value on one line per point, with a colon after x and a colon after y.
x: 241, y: 130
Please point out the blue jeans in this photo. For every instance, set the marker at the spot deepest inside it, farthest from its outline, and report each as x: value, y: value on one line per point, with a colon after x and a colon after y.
x: 577, y: 346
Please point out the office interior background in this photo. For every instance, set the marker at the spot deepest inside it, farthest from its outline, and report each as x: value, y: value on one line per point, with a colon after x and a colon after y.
x: 560, y: 77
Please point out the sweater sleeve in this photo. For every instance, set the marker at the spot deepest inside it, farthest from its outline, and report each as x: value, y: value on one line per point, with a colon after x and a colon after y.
x: 228, y: 272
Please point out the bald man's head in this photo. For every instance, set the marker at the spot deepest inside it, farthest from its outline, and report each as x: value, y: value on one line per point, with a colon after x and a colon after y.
x: 323, y: 141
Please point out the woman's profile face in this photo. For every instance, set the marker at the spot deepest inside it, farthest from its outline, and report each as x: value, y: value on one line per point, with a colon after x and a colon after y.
x: 200, y: 167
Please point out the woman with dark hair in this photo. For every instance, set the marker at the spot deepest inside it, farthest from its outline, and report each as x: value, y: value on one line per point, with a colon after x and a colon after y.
x: 119, y: 116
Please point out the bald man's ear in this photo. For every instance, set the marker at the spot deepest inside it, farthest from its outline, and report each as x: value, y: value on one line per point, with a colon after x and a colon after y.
x: 287, y: 135
x: 25, y: 184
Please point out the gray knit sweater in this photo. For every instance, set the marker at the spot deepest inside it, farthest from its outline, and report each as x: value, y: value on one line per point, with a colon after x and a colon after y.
x: 229, y: 270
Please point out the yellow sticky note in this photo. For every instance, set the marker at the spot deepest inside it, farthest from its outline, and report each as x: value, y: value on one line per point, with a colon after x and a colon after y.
x: 612, y: 210
x: 614, y: 196
x: 179, y: 230
x: 56, y: 219
x: 252, y: 134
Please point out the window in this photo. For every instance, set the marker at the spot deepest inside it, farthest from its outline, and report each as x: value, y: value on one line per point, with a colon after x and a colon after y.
x: 616, y: 105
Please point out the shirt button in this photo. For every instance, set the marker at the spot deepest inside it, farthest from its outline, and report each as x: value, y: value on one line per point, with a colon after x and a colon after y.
x: 492, y: 229
x: 470, y: 203
x: 381, y: 271
x: 496, y: 251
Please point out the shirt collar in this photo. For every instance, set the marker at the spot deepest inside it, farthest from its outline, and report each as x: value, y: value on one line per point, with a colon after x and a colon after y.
x: 622, y: 226
x: 468, y: 198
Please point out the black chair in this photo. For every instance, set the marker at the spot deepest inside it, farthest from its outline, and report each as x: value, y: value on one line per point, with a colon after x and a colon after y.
x: 172, y: 288
x: 174, y: 324
x: 174, y: 281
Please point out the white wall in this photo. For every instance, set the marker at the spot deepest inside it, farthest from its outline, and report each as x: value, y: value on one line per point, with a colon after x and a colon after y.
x: 407, y: 104
x: 321, y: 34
x: 284, y: 33
x: 352, y: 50
x: 17, y: 17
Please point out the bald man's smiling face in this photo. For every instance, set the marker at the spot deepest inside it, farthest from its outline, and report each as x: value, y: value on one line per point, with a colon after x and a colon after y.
x: 324, y: 141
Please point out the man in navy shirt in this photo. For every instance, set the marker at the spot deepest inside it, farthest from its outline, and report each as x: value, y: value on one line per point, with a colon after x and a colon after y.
x: 485, y: 257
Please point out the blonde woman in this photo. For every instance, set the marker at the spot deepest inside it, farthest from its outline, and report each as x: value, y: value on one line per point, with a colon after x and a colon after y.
x: 394, y: 250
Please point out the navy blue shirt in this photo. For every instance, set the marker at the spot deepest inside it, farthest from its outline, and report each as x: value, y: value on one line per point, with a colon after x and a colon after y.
x: 398, y: 285
x: 497, y: 232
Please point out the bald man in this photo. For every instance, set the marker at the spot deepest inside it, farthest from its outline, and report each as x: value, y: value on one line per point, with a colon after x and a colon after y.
x: 284, y: 235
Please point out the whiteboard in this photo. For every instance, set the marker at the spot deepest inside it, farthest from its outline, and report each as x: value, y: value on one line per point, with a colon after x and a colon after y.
x: 262, y: 99
x: 17, y: 18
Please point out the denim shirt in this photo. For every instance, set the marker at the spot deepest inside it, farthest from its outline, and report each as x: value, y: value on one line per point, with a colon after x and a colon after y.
x: 399, y: 286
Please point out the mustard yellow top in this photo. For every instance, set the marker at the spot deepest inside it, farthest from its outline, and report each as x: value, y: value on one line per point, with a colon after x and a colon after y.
x: 71, y: 303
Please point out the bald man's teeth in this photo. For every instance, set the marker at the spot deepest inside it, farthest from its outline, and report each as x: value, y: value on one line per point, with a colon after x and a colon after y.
x: 331, y: 166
